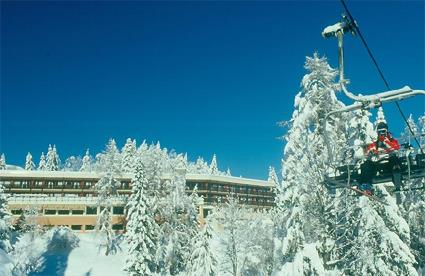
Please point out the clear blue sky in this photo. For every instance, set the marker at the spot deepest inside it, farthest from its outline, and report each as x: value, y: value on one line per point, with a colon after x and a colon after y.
x: 201, y: 77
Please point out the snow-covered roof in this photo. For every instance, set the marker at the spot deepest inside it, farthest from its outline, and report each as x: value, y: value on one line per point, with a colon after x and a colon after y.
x: 62, y: 175
x: 13, y: 167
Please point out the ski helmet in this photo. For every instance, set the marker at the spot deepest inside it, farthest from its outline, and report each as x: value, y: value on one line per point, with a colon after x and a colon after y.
x: 382, y: 125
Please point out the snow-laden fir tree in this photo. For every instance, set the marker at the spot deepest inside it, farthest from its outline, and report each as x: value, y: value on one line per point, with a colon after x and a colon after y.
x: 87, y: 162
x: 152, y: 158
x: 29, y: 164
x: 179, y: 225
x: 201, y: 167
x: 73, y: 164
x: 230, y: 216
x: 228, y: 172
x: 28, y: 249
x: 407, y: 136
x: 380, y: 235
x: 142, y: 230
x: 414, y: 204
x: 128, y: 156
x: 273, y: 176
x: 27, y: 254
x: 245, y: 239
x: 304, y: 166
x: 421, y: 124
x: 42, y: 163
x: 52, y: 161
x: 106, y: 190
x: 380, y: 116
x: 214, y: 166
x: 376, y: 238
x: 28, y: 221
x: 258, y: 243
x: 5, y: 221
x: 203, y: 260
x: 2, y: 162
x: 359, y: 134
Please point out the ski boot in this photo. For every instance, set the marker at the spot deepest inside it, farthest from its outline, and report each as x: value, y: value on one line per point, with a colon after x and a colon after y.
x: 366, y: 188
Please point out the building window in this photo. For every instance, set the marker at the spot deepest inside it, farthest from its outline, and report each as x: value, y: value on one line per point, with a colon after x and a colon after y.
x: 91, y: 210
x: 117, y: 210
x: 89, y: 227
x: 102, y: 208
x: 63, y: 212
x: 205, y: 212
x: 16, y: 212
x: 24, y: 184
x: 49, y: 212
x: 118, y: 227
x: 6, y: 183
x: 77, y: 212
x: 76, y: 227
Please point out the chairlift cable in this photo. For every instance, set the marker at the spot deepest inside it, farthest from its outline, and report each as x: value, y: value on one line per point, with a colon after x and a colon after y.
x: 379, y: 71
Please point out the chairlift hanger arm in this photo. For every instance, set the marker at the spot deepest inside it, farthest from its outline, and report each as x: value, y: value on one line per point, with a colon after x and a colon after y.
x: 338, y: 30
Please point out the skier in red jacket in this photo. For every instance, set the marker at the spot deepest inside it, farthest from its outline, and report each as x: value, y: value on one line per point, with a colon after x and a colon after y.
x: 384, y: 145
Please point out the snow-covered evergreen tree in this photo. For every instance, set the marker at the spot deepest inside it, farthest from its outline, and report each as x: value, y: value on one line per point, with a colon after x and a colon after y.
x: 380, y: 116
x: 407, y: 136
x: 5, y: 221
x: 106, y: 190
x: 203, y: 260
x: 27, y: 221
x: 42, y: 163
x: 52, y: 161
x: 214, y: 166
x: 361, y: 132
x: 2, y: 162
x: 273, y: 176
x: 73, y: 164
x: 128, y: 156
x: 87, y: 162
x: 368, y: 226
x: 421, y: 125
x: 228, y: 172
x: 142, y: 230
x: 304, y: 166
x: 179, y: 226
x: 414, y: 201
x: 28, y: 253
x: 201, y: 166
x: 29, y: 247
x: 29, y: 164
x: 230, y: 217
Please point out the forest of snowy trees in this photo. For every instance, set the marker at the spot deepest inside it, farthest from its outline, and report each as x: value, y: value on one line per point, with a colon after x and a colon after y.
x: 89, y: 163
x: 309, y: 231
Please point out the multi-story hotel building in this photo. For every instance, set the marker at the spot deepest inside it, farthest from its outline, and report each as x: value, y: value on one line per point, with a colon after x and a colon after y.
x: 68, y: 198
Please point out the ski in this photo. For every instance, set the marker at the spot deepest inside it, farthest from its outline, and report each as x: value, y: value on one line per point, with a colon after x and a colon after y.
x: 407, y: 189
x: 357, y: 190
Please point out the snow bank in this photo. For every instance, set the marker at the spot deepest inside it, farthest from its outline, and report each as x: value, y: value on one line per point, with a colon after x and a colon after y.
x: 305, y: 261
x: 87, y: 260
x: 6, y: 264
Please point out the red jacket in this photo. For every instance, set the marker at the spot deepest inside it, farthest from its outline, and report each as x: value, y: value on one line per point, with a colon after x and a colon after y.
x: 383, y: 145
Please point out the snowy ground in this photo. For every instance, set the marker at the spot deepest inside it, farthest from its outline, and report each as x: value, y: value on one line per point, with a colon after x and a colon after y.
x: 87, y: 260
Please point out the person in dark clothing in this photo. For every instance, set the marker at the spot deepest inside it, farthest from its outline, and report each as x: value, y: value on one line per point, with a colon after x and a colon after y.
x: 385, y: 144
